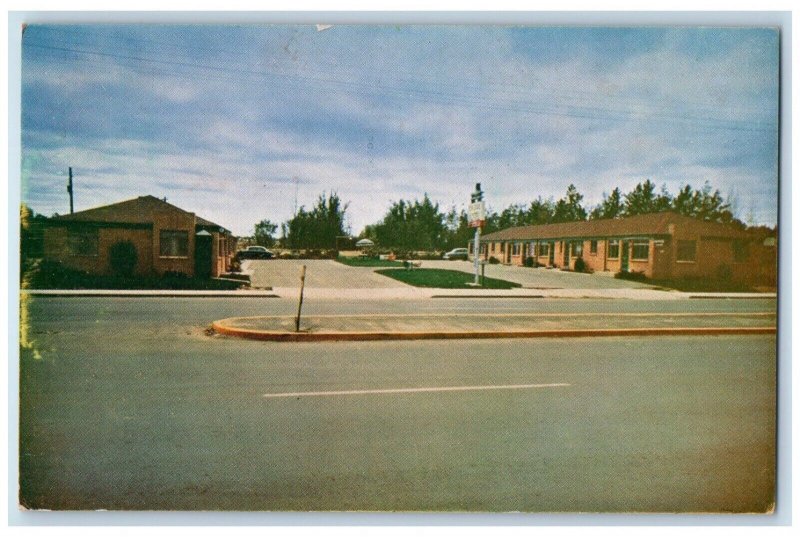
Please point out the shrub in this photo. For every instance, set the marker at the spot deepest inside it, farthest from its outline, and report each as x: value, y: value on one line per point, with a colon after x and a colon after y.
x: 175, y: 275
x: 580, y: 265
x: 530, y: 262
x: 123, y: 257
x: 724, y: 273
x: 634, y: 276
x: 494, y: 261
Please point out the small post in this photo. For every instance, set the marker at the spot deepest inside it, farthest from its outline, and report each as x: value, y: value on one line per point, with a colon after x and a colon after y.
x: 69, y: 189
x: 483, y: 273
x: 300, y: 304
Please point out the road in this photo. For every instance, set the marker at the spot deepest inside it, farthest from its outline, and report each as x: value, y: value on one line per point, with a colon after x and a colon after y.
x: 130, y: 405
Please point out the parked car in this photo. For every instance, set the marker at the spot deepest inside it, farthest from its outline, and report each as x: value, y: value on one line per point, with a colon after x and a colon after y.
x: 456, y: 253
x: 254, y: 252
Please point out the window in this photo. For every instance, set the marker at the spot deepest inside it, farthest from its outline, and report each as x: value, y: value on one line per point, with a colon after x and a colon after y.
x: 593, y: 247
x: 577, y: 249
x: 173, y: 243
x: 641, y: 250
x: 687, y: 250
x: 544, y: 249
x: 515, y: 249
x: 613, y: 249
x: 82, y: 241
x: 739, y: 251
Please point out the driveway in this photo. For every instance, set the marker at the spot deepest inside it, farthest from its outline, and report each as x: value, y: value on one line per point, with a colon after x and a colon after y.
x: 320, y: 273
x: 542, y: 278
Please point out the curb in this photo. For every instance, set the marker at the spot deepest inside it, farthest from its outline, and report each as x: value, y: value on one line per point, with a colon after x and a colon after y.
x: 148, y: 294
x: 281, y: 336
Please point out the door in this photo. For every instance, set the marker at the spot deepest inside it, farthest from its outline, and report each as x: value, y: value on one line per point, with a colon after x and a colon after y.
x: 202, y: 254
x: 551, y: 260
x: 565, y: 248
x: 623, y: 264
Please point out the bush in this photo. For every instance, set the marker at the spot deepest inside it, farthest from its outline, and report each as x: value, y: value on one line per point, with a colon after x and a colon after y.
x: 175, y: 275
x: 634, y: 276
x: 580, y: 265
x: 724, y: 273
x: 494, y: 261
x: 123, y: 257
x: 530, y: 262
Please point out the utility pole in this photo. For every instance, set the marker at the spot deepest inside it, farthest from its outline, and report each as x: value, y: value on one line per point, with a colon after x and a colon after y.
x: 69, y: 189
x: 477, y: 217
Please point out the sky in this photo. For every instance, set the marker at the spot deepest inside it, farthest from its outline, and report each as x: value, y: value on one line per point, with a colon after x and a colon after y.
x: 243, y: 123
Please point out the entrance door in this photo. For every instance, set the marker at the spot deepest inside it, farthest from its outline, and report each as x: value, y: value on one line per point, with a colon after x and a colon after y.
x: 565, y: 247
x: 623, y: 265
x: 551, y: 260
x: 202, y: 254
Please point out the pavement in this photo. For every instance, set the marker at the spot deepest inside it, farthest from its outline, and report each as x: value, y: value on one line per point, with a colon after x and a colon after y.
x: 320, y: 273
x: 127, y: 404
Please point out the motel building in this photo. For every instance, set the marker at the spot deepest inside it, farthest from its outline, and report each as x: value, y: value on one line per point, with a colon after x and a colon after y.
x: 661, y: 246
x: 167, y: 239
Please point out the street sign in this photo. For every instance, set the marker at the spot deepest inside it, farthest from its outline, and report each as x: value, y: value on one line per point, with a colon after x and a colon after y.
x: 476, y: 214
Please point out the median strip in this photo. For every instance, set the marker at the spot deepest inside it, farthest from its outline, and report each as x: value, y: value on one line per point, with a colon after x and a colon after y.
x: 416, y: 390
x: 493, y: 326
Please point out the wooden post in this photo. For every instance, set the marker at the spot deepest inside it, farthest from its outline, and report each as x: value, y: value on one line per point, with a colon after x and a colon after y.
x: 300, y: 304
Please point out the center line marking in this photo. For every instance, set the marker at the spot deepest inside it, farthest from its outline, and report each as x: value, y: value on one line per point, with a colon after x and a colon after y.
x: 417, y: 390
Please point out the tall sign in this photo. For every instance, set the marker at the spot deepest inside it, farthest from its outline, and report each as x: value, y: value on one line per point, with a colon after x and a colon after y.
x: 477, y: 217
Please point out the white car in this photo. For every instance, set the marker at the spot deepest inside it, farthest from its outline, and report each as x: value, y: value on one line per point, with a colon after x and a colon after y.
x: 456, y: 253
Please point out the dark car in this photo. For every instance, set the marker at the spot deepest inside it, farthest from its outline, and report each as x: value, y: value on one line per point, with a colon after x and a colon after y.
x: 254, y: 252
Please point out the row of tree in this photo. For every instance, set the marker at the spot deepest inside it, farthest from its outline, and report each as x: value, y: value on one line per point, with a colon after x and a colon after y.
x: 423, y: 225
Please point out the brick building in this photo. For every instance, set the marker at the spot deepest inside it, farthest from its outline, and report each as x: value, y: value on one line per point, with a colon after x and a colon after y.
x: 661, y: 246
x: 166, y: 238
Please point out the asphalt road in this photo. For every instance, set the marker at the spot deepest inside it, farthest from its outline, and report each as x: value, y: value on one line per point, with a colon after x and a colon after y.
x: 129, y: 405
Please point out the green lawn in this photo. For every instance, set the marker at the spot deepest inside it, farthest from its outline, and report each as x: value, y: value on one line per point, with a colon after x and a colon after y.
x: 442, y: 278
x: 368, y: 262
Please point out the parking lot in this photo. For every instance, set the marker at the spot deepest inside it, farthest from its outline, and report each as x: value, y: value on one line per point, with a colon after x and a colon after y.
x: 325, y: 273
x: 322, y: 273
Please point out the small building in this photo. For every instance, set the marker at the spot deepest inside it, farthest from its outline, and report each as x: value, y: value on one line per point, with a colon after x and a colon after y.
x: 167, y: 239
x: 662, y: 245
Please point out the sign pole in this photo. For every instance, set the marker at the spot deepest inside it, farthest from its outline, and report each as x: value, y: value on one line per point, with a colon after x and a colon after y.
x: 300, y: 304
x: 477, y: 216
x: 477, y: 250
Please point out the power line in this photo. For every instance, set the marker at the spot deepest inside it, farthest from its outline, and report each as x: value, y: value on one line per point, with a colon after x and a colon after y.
x: 429, y: 95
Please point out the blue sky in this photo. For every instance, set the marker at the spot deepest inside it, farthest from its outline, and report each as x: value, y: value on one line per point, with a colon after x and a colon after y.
x: 235, y: 122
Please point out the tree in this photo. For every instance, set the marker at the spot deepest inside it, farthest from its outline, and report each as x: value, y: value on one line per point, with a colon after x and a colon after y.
x: 407, y: 225
x: 264, y: 233
x: 611, y: 207
x: 31, y: 233
x: 705, y: 204
x: 644, y: 200
x: 569, y: 208
x: 319, y: 227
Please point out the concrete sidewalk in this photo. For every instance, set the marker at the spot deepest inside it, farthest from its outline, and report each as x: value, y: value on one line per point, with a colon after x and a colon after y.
x: 399, y: 293
x: 487, y: 325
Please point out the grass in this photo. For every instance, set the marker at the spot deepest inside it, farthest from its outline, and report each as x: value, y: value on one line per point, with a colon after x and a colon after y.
x: 442, y: 278
x: 368, y: 262
x: 44, y: 275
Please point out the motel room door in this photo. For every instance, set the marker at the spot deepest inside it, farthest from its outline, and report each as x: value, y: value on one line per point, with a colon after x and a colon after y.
x: 623, y: 256
x: 202, y: 254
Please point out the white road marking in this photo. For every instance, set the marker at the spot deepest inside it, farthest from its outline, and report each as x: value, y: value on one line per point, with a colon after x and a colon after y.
x: 417, y: 390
